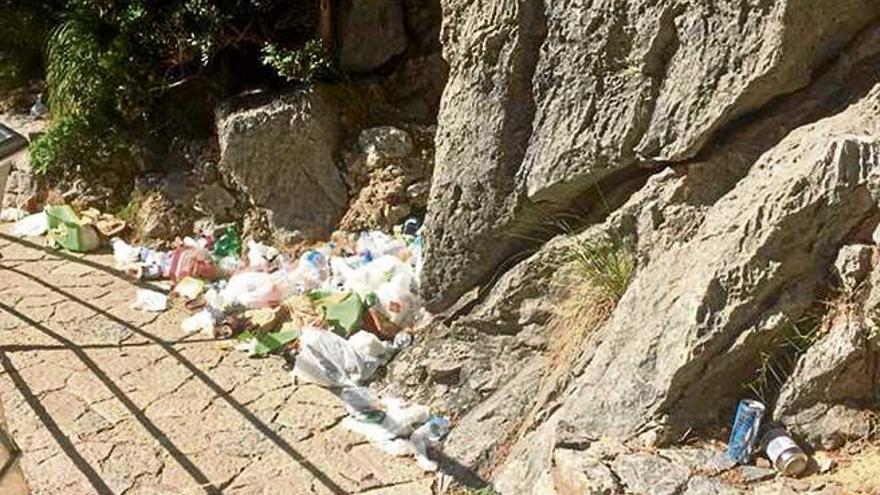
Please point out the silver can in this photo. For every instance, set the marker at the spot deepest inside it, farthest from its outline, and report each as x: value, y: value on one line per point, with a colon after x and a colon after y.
x: 783, y: 452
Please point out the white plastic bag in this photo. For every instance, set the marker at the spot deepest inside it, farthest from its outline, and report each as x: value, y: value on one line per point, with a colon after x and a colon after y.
x: 149, y: 300
x: 253, y: 290
x: 377, y: 244
x: 123, y: 253
x: 31, y: 225
x: 12, y: 214
x: 203, y: 321
x: 260, y: 256
x: 330, y: 361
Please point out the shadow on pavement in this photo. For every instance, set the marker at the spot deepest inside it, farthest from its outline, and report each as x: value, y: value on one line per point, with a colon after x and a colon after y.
x: 168, y: 347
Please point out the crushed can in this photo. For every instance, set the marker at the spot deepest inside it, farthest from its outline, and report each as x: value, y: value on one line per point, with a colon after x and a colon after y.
x: 744, y: 435
x: 787, y: 457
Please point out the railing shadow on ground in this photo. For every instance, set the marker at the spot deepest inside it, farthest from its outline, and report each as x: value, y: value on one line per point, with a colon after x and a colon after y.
x: 448, y: 466
x: 168, y: 347
x: 78, y: 259
x: 59, y: 436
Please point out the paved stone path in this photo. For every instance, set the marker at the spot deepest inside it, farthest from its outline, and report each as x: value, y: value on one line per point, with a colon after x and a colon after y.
x: 106, y: 399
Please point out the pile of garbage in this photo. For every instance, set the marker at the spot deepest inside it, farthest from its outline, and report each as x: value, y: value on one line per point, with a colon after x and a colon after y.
x: 339, y: 311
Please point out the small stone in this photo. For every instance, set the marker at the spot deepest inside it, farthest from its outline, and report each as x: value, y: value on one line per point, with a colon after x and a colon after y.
x: 754, y: 474
x: 216, y: 201
x: 384, y: 143
x: 763, y: 463
x: 824, y: 463
x: 853, y: 264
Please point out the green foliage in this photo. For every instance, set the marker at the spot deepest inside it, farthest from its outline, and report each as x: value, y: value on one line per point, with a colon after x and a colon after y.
x: 300, y: 65
x: 76, y: 143
x: 775, y: 365
x: 110, y: 62
x: 606, y: 264
x: 129, y: 212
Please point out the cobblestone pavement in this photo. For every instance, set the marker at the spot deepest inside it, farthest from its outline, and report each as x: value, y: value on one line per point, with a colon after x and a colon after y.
x: 106, y: 399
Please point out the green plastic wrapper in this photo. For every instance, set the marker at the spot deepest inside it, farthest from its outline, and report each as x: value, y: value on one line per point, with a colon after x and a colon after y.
x: 228, y: 244
x: 67, y: 231
x: 341, y: 310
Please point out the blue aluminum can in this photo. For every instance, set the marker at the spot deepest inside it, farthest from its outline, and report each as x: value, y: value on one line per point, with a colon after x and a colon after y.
x: 744, y: 434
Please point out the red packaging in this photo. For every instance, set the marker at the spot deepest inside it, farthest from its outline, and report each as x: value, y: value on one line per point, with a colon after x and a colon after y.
x: 190, y: 262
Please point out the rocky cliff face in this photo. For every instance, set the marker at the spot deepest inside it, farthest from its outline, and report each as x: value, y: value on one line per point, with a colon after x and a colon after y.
x: 572, y: 94
x: 735, y: 145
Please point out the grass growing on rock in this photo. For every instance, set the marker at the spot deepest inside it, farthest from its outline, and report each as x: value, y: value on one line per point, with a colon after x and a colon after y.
x: 597, y: 273
x: 605, y: 265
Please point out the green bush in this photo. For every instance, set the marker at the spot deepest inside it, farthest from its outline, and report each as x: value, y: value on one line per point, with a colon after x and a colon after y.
x: 108, y: 64
x: 300, y: 65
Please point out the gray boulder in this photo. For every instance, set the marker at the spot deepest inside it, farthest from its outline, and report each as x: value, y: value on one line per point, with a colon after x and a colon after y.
x: 853, y: 264
x: 280, y: 151
x: 371, y: 33
x: 686, y: 336
x: 832, y: 393
x: 529, y: 124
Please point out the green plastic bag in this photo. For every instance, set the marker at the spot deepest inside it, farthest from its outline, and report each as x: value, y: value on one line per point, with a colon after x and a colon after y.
x: 228, y: 244
x: 261, y: 345
x: 341, y: 310
x: 66, y: 230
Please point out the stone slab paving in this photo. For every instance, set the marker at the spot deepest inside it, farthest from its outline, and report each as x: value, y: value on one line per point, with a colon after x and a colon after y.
x: 105, y: 399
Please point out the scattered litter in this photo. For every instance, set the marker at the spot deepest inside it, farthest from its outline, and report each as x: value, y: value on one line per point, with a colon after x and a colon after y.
x: 149, y: 300
x: 343, y: 308
x: 253, y: 290
x: 342, y: 311
x: 261, y: 345
x: 31, y: 225
x: 12, y: 214
x: 204, y: 321
x: 744, y: 435
x: 329, y: 360
x: 189, y: 288
x: 784, y: 453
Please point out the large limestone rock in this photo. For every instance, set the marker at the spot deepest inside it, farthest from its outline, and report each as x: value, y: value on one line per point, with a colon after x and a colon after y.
x: 834, y: 390
x: 686, y: 336
x: 573, y: 93
x: 281, y: 152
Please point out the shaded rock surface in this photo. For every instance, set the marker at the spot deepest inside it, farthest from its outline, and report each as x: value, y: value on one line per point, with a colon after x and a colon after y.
x: 731, y: 247
x: 371, y: 33
x: 282, y: 154
x: 572, y: 93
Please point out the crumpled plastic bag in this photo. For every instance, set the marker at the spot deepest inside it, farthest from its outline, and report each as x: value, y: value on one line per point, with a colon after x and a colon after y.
x: 404, y: 430
x: 31, y: 225
x: 253, y: 290
x: 376, y: 244
x: 331, y: 361
x: 391, y: 280
x: 260, y: 256
x: 149, y: 300
x: 12, y: 214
